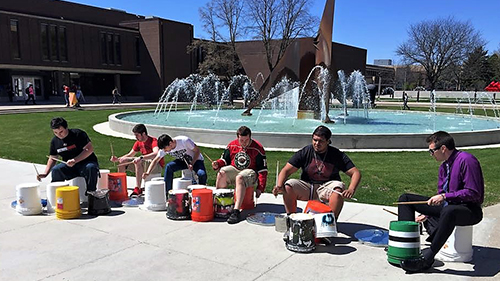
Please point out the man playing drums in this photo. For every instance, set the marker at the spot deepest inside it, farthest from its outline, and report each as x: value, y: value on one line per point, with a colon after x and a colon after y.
x: 187, y: 156
x: 320, y: 177
x: 75, y: 148
x: 148, y: 147
x: 242, y: 164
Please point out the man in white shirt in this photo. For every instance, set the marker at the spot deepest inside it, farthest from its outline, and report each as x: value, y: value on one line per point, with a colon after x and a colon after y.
x: 187, y: 156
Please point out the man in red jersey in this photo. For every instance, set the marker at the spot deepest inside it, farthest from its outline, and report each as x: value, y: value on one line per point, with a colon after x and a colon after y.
x: 148, y: 146
x: 242, y: 164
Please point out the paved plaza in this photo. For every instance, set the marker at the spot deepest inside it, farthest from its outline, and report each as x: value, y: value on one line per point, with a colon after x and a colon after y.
x: 133, y: 244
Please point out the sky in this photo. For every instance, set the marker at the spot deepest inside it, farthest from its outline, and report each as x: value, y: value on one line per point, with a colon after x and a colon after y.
x: 377, y: 26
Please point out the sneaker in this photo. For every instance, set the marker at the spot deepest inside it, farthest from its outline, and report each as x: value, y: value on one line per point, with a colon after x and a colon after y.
x: 234, y: 217
x: 137, y: 192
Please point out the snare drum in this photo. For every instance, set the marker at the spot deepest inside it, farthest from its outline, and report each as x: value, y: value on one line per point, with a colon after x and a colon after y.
x: 299, y: 236
x: 178, y: 205
x: 223, y: 202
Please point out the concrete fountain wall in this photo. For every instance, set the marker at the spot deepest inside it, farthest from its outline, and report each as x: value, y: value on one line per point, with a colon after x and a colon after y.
x: 293, y: 141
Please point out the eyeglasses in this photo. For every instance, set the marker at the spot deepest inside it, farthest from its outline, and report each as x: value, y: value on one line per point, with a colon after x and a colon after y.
x: 432, y: 150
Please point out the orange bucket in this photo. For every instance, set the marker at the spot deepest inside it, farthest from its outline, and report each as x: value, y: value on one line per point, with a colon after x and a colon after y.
x: 316, y: 207
x: 248, y: 203
x: 117, y: 185
x: 202, y: 205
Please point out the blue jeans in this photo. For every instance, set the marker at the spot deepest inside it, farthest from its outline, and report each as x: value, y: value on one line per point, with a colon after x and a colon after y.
x: 177, y: 165
x: 88, y: 170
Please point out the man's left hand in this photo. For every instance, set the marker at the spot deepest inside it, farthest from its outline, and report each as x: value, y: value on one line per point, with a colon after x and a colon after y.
x: 348, y: 193
x: 71, y: 162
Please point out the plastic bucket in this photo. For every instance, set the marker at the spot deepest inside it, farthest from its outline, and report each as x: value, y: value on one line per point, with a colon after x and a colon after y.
x: 51, y: 195
x: 117, y: 185
x: 404, y: 241
x: 202, y: 208
x: 102, y: 183
x: 248, y: 202
x: 68, y: 202
x: 155, y: 198
x: 28, y: 199
x: 458, y: 247
x: 316, y: 207
x: 181, y: 183
x: 178, y: 205
x: 82, y: 187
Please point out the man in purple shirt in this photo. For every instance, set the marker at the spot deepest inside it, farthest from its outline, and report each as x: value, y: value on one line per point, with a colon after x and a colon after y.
x: 457, y: 203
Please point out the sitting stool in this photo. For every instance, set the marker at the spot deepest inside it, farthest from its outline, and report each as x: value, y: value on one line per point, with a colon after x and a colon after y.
x: 188, y: 174
x: 458, y: 247
x: 82, y: 187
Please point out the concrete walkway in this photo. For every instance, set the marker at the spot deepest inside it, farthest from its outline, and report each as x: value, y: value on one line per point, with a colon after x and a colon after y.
x: 133, y: 244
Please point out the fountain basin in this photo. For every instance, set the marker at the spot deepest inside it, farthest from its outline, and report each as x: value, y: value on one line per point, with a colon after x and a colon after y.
x: 292, y: 134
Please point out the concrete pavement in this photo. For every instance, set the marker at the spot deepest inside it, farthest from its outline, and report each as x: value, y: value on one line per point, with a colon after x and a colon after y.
x: 132, y: 244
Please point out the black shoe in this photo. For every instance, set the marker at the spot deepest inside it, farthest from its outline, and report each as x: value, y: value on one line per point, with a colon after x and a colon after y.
x: 234, y: 217
x: 416, y: 265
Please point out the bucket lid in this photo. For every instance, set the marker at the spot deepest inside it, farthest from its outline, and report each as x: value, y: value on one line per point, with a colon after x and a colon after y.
x: 223, y: 190
x: 373, y: 237
x: 265, y: 218
x: 27, y: 185
x: 134, y: 202
x: 406, y: 226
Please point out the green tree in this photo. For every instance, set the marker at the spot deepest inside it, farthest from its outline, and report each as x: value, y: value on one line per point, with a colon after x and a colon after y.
x: 494, y: 62
x: 476, y: 69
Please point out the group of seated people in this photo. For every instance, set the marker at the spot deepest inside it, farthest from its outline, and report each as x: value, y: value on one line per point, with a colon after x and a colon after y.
x: 243, y: 165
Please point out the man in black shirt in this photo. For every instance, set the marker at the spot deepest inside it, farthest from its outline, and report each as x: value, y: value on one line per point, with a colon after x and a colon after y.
x: 320, y: 178
x: 75, y: 148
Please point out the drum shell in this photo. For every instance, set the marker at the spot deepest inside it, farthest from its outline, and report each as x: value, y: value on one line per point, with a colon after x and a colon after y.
x: 299, y: 236
x: 178, y: 205
x: 202, y: 208
x: 117, y: 185
x: 28, y: 199
x: 68, y: 202
x: 325, y: 225
x: 99, y: 205
x: 404, y: 241
x: 223, y: 203
x: 316, y: 207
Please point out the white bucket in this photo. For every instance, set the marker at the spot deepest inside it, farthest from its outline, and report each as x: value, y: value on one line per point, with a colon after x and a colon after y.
x: 157, y: 179
x: 51, y: 195
x: 155, y: 198
x: 181, y: 183
x: 458, y: 247
x: 325, y: 225
x: 102, y: 183
x: 82, y: 187
x: 28, y: 199
x: 189, y: 174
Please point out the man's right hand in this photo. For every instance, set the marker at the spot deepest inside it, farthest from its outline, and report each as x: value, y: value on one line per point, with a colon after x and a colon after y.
x: 39, y: 177
x: 277, y: 189
x: 215, y: 165
x: 113, y: 159
x: 145, y: 175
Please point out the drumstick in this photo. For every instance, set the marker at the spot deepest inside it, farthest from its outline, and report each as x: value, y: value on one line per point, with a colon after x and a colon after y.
x: 209, y: 159
x: 391, y: 212
x: 277, y: 169
x: 410, y: 203
x: 192, y: 172
x: 58, y: 160
x: 112, y: 152
x: 125, y: 164
x: 37, y: 173
x: 340, y: 193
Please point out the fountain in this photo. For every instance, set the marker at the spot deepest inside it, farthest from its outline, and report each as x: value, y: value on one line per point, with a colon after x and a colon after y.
x: 276, y: 125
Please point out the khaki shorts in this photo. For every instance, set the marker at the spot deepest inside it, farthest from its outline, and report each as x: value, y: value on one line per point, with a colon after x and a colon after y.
x: 249, y: 176
x: 321, y: 191
x: 145, y: 164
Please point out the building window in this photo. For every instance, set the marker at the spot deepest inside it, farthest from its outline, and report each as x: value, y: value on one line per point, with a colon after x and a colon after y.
x: 118, y: 50
x: 137, y: 51
x: 54, y: 50
x: 63, y: 47
x: 14, y: 39
x: 111, y: 54
x: 104, y: 54
x: 44, y: 38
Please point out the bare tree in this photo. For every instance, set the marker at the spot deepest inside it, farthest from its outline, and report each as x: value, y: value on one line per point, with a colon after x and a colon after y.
x: 277, y: 23
x: 438, y: 44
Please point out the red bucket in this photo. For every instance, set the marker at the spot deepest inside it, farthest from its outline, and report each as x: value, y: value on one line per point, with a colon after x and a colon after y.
x: 202, y: 205
x: 117, y: 185
x: 248, y: 203
x: 316, y: 207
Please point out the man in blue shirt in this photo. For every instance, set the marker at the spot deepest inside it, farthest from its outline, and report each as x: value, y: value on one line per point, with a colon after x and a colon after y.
x: 458, y: 200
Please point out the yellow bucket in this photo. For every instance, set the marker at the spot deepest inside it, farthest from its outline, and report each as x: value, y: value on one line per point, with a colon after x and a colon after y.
x: 68, y: 202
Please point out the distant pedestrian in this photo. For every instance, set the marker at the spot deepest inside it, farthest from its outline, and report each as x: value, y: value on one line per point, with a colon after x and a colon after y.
x: 10, y: 92
x: 405, y: 101
x: 66, y: 94
x: 79, y: 95
x: 116, y: 96
x: 30, y: 94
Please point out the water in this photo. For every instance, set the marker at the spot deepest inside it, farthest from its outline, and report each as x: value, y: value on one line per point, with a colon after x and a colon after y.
x: 380, y: 121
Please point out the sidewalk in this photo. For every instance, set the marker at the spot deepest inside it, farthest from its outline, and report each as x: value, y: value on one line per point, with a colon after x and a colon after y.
x: 132, y: 244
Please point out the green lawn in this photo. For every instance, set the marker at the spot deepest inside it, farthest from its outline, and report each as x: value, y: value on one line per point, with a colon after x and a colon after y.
x: 385, y: 175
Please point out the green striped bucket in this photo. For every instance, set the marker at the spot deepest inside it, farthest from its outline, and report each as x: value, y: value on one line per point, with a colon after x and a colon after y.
x: 404, y: 241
